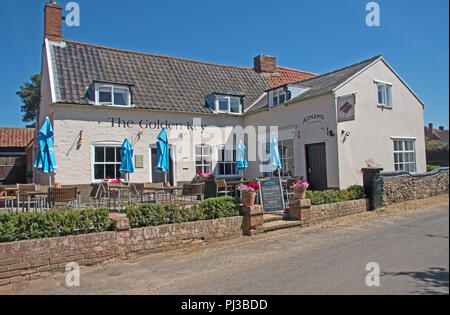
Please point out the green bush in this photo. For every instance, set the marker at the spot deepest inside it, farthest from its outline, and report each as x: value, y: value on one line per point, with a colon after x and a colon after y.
x: 154, y: 215
x: 332, y: 196
x: 432, y: 167
x: 34, y: 225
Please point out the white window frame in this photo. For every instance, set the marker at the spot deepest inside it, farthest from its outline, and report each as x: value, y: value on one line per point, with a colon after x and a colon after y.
x: 202, y: 157
x: 403, y: 154
x: 220, y: 162
x: 228, y: 110
x: 111, y: 87
x: 274, y: 97
x: 284, y: 156
x: 387, y: 96
x: 93, y: 163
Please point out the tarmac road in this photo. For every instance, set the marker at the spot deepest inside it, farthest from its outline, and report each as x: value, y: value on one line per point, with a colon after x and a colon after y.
x: 412, y: 250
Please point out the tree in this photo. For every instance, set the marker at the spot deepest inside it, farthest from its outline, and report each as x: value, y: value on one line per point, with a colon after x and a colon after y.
x: 30, y: 93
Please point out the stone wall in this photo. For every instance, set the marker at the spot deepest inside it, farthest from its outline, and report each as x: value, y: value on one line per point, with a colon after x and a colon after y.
x: 392, y: 187
x: 325, y: 212
x: 32, y: 259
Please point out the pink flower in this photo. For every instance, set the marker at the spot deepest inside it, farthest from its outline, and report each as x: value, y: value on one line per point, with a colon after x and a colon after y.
x: 301, y: 184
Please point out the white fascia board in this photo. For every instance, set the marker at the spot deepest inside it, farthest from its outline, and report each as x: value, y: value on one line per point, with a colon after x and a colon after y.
x: 50, y: 70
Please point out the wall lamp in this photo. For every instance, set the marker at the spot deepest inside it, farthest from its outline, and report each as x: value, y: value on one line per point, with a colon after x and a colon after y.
x: 80, y: 140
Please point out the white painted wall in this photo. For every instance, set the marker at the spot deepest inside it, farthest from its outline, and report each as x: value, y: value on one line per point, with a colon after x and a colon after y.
x: 370, y: 142
x: 292, y: 116
x: 75, y: 166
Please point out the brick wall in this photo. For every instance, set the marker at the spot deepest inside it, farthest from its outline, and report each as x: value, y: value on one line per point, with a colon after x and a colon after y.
x: 32, y: 259
x: 393, y: 187
x: 320, y: 213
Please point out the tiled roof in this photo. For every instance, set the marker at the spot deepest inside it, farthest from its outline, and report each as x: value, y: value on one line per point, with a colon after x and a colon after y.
x: 438, y: 134
x: 158, y: 82
x: 325, y: 83
x: 286, y: 75
x: 15, y: 137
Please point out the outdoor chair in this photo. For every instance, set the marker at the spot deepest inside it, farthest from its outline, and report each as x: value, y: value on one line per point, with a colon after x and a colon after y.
x: 193, y: 191
x: 67, y: 196
x: 113, y: 193
x: 136, y: 192
x: 149, y: 192
x: 21, y: 199
x: 222, y: 188
x: 8, y: 201
x: 42, y: 200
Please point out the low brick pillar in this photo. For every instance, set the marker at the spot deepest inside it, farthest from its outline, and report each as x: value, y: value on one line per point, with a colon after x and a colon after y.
x: 253, y: 221
x: 120, y: 223
x: 300, y: 209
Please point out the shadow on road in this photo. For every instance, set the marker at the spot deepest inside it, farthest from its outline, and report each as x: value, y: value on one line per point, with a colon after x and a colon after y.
x: 433, y: 280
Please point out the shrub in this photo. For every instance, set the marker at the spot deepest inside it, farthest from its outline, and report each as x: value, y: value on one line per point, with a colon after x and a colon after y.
x: 432, y: 167
x: 34, y: 225
x: 154, y: 215
x: 332, y: 196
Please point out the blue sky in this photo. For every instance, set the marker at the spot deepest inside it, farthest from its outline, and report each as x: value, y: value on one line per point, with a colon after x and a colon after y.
x: 317, y: 36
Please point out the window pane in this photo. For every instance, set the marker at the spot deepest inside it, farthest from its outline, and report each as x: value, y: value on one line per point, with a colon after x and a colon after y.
x: 99, y: 171
x: 110, y: 154
x: 104, y: 95
x: 389, y: 95
x: 99, y: 154
x: 223, y: 104
x: 198, y: 150
x: 282, y: 98
x: 110, y: 171
x: 235, y: 105
x: 381, y: 94
x: 118, y: 156
x: 120, y: 97
x: 275, y: 100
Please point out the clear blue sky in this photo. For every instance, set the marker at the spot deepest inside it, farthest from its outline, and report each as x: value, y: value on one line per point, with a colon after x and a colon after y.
x: 317, y: 36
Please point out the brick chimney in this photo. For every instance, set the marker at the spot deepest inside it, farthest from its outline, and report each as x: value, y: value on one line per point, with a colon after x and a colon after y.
x: 430, y: 131
x: 267, y: 64
x: 53, y: 21
x: 441, y: 128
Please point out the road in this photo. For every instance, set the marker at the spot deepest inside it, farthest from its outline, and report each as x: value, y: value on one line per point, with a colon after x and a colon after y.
x: 412, y: 250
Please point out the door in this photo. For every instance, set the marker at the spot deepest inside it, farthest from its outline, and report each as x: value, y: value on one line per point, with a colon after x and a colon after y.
x: 316, y: 166
x: 158, y: 177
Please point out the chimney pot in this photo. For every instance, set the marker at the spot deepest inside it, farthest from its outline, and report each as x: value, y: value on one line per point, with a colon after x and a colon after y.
x: 53, y: 21
x: 441, y: 128
x: 263, y: 63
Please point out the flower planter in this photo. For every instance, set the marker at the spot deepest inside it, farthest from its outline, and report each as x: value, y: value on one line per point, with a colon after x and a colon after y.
x: 300, y: 193
x: 248, y: 198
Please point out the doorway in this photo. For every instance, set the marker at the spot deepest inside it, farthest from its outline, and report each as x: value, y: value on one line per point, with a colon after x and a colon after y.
x: 316, y: 166
x: 157, y: 177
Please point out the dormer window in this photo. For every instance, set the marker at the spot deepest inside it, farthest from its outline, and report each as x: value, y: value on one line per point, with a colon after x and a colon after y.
x: 277, y: 97
x: 225, y: 103
x: 113, y: 95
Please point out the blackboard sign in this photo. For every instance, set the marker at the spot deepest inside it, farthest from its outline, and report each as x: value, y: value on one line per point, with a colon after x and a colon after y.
x: 272, y: 195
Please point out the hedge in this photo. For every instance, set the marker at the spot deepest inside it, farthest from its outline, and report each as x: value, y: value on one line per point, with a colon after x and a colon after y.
x: 432, y: 167
x: 153, y: 215
x: 332, y: 196
x: 35, y: 225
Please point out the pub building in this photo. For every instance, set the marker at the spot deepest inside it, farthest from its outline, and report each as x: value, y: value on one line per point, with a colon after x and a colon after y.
x: 328, y: 126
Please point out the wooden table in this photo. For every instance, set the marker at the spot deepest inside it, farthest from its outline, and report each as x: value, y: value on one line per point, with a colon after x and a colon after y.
x: 35, y: 193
